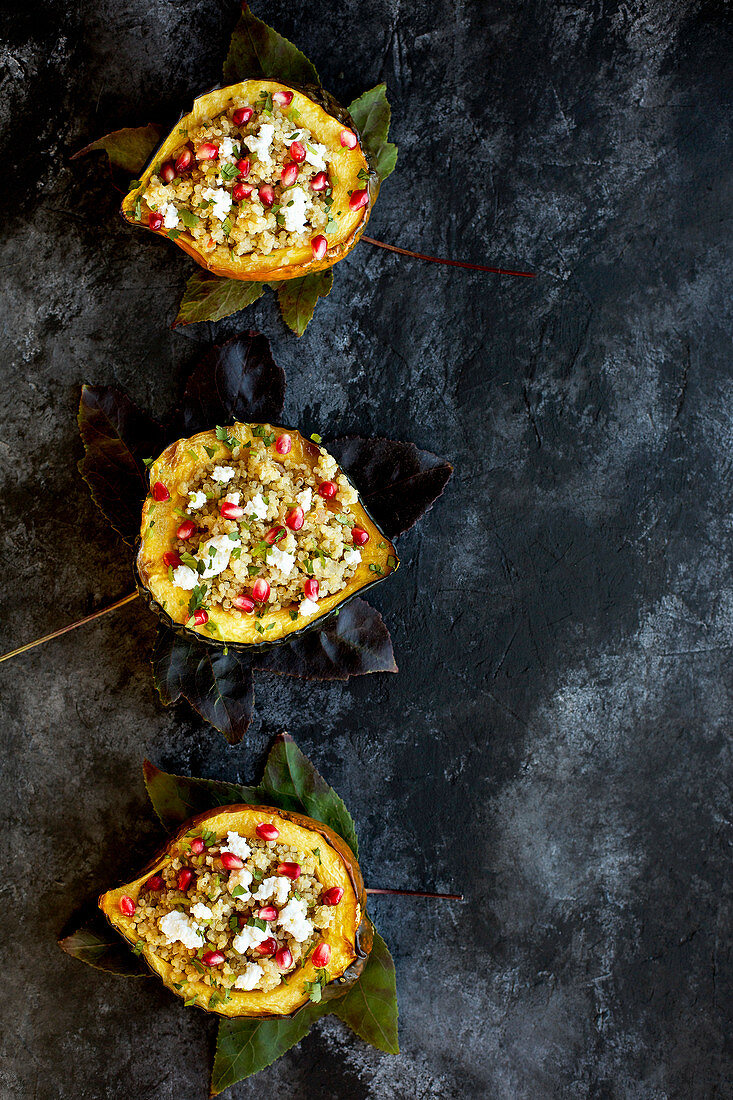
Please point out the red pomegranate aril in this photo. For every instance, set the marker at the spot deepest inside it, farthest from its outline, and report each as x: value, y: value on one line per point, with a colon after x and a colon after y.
x: 267, y: 947
x: 349, y: 139
x: 197, y: 845
x: 184, y: 878
x: 231, y: 862
x: 275, y: 534
x: 360, y: 536
x: 295, y: 518
x: 327, y: 489
x: 244, y: 603
x: 184, y: 160
x: 155, y: 882
x: 284, y: 958
x: 243, y: 166
x: 288, y: 870
x: 267, y: 194
x: 186, y: 529
x: 159, y: 492
x: 168, y: 172
x: 319, y: 182
x: 289, y: 174
x: 321, y: 955
x: 213, y: 958
x: 242, y: 115
x: 319, y: 247
x: 265, y: 831
x: 358, y: 199
x: 283, y: 99
x: 332, y: 896
x: 172, y: 558
x: 297, y: 152
x: 207, y: 151
x: 242, y: 191
x: 155, y: 221
x: 267, y: 912
x: 127, y: 905
x: 310, y: 589
x: 231, y: 511
x: 200, y: 617
x: 260, y: 590
x: 283, y: 444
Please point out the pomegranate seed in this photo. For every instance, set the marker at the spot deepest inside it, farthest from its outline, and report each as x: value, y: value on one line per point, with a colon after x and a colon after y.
x: 321, y: 955
x: 155, y: 221
x: 127, y: 905
x: 289, y: 174
x: 172, y: 558
x: 297, y: 152
x: 267, y: 194
x: 288, y: 870
x: 243, y: 166
x: 267, y: 947
x: 332, y: 896
x: 295, y: 518
x: 231, y: 862
x: 310, y: 589
x: 274, y: 535
x: 186, y: 529
x: 283, y: 99
x: 155, y: 882
x: 214, y: 958
x: 168, y: 172
x: 260, y: 590
x: 358, y: 199
x: 244, y: 603
x: 320, y: 182
x: 319, y: 246
x: 327, y: 489
x: 265, y: 831
x: 267, y: 912
x: 184, y: 160
x: 184, y: 878
x: 242, y: 115
x: 242, y: 191
x: 284, y: 958
x: 349, y: 139
x: 231, y: 511
x: 197, y: 845
x: 200, y: 617
x: 283, y: 444
x: 359, y: 535
x: 159, y: 492
x: 207, y: 151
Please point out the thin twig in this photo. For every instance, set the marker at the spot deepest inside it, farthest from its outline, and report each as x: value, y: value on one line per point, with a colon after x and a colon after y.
x: 418, y: 894
x: 449, y: 263
x: 72, y: 626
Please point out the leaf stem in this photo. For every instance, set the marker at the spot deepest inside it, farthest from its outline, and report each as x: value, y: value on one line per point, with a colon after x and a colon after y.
x: 450, y: 263
x: 418, y: 894
x: 72, y: 626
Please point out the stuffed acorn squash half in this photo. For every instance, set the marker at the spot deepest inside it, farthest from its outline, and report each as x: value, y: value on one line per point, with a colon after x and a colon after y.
x: 249, y: 911
x: 260, y: 181
x: 251, y: 534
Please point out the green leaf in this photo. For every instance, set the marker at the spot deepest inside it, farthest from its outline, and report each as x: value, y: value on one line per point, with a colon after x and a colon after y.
x: 294, y: 784
x: 258, y: 50
x: 175, y: 798
x: 370, y: 1006
x: 93, y: 941
x: 297, y: 298
x: 129, y: 149
x: 209, y: 297
x: 371, y: 114
x: 244, y: 1047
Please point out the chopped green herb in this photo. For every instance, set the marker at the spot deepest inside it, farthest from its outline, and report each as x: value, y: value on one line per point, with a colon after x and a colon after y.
x: 255, y: 922
x: 174, y: 234
x: 189, y: 220
x: 211, y: 451
x: 375, y: 568
x: 191, y: 1000
x: 133, y: 184
x: 208, y: 836
x: 227, y: 226
x: 229, y: 172
x: 223, y: 435
x: 238, y: 891
x: 293, y: 615
x: 148, y: 462
x: 317, y: 852
x: 137, y: 949
x: 316, y: 437
x: 193, y: 454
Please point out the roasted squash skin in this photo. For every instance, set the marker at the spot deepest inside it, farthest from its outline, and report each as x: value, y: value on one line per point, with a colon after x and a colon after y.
x: 349, y: 936
x: 321, y: 114
x: 227, y: 628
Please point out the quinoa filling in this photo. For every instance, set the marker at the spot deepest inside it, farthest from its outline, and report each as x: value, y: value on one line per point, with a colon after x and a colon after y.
x: 248, y: 181
x: 236, y: 913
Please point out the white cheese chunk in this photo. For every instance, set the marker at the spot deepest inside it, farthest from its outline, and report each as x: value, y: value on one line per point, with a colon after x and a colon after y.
x: 215, y: 554
x: 305, y: 499
x: 294, y: 202
x: 170, y: 217
x: 221, y: 202
x: 178, y: 928
x: 352, y: 557
x: 315, y: 154
x: 233, y: 498
x: 226, y: 148
x: 261, y: 143
x: 250, y: 936
x: 250, y: 978
x: 185, y: 577
x: 277, y: 888
x: 242, y: 878
x: 256, y: 507
x: 280, y: 559
x: 201, y: 911
x: 196, y: 500
x: 308, y: 607
x: 293, y: 920
x: 224, y: 474
x: 237, y: 845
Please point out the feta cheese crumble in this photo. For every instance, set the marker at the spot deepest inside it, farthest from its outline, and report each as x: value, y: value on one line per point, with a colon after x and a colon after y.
x: 256, y: 507
x: 178, y: 928
x: 201, y: 911
x: 315, y: 154
x: 223, y: 474
x: 196, y: 500
x: 308, y: 607
x: 277, y: 888
x: 170, y: 216
x: 237, y: 845
x: 293, y: 209
x: 280, y: 559
x: 250, y: 978
x: 352, y: 557
x: 250, y: 936
x: 233, y: 498
x: 293, y: 920
x: 215, y: 554
x: 261, y: 143
x: 243, y: 879
x: 185, y: 577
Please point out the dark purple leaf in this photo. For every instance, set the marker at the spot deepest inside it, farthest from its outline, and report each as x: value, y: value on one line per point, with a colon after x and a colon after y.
x: 216, y: 683
x: 238, y: 380
x: 117, y: 436
x: 351, y: 644
x: 397, y: 482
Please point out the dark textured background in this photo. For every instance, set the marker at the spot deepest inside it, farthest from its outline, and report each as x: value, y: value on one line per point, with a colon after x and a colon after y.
x: 556, y: 742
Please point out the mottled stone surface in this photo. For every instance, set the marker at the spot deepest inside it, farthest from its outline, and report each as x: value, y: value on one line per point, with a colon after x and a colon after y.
x: 556, y: 743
